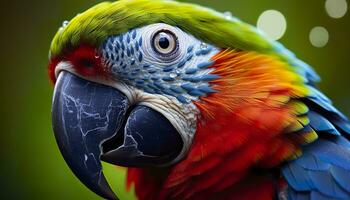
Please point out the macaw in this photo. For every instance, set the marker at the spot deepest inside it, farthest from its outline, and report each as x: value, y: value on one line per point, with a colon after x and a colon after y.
x: 196, y: 104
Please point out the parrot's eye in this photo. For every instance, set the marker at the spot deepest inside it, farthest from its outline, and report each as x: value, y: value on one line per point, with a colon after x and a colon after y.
x: 165, y: 43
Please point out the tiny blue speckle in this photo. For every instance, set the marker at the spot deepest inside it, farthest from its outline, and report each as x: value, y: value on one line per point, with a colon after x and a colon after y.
x: 181, y: 99
x: 152, y: 71
x: 132, y: 62
x: 107, y: 56
x: 204, y: 65
x: 195, y: 93
x: 128, y: 38
x: 168, y: 92
x: 121, y: 39
x: 123, y: 46
x: 128, y: 51
x: 176, y: 89
x: 209, y: 77
x: 110, y: 47
x: 134, y: 34
x: 192, y: 79
x: 159, y: 85
x: 168, y: 79
x: 191, y: 71
x: 158, y: 91
x: 140, y: 58
x: 188, y: 87
x: 140, y: 82
x: 206, y: 51
x: 132, y: 50
x: 140, y: 41
x: 181, y: 63
x: 149, y: 90
x: 168, y: 69
x: 190, y: 49
x: 189, y: 57
x: 198, y: 52
x: 155, y: 78
x: 146, y: 66
x: 152, y: 86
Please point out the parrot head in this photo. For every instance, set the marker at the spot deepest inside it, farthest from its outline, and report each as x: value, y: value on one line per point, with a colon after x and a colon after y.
x: 161, y: 84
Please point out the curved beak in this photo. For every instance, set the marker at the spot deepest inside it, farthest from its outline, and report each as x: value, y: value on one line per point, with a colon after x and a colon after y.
x: 93, y: 121
x: 85, y: 114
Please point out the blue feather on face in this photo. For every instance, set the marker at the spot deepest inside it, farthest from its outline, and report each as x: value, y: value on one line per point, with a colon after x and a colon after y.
x: 136, y: 58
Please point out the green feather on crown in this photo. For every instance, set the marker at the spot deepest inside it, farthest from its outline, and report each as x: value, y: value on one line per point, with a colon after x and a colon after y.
x: 113, y: 18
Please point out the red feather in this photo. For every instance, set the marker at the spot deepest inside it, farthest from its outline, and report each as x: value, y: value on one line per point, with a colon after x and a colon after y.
x: 86, y: 61
x: 241, y: 128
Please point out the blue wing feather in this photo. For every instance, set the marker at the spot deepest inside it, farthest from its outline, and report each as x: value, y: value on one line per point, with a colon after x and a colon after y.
x: 342, y: 176
x: 315, y: 195
x: 331, y: 153
x: 310, y: 162
x: 319, y: 123
x: 326, y: 184
x: 298, y: 177
x: 323, y: 171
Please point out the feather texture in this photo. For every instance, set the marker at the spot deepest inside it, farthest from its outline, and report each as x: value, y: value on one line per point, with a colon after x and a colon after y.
x: 255, y: 120
x: 98, y: 23
x: 265, y: 111
x: 325, y: 163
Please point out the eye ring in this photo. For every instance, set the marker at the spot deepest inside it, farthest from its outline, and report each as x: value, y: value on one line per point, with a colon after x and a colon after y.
x: 165, y: 43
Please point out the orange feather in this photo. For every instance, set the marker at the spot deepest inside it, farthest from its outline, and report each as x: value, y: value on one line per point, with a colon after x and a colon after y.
x: 247, y: 124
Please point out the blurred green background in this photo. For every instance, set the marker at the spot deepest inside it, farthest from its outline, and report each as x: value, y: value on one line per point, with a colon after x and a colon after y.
x: 31, y: 166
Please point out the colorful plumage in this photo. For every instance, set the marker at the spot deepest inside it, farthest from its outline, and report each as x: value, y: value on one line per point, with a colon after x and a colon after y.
x: 252, y: 122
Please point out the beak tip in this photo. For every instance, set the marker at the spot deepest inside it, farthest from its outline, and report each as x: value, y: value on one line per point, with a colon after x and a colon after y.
x: 105, y: 190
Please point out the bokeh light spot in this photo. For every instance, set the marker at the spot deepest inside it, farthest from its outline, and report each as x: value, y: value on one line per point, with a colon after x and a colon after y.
x: 319, y: 36
x: 272, y: 23
x: 336, y: 8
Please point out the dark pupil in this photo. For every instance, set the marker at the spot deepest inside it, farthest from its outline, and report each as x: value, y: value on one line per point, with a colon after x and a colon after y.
x: 163, y: 42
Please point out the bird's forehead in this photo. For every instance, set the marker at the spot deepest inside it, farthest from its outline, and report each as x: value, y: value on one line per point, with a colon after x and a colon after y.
x: 186, y: 77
